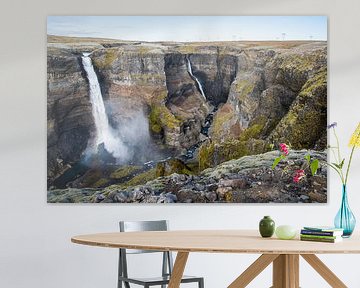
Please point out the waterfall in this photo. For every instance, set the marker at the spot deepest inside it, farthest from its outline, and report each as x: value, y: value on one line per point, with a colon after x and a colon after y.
x: 189, y: 68
x: 104, y: 132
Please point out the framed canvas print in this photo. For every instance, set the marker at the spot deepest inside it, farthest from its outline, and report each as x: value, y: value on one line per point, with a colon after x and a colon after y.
x: 186, y: 109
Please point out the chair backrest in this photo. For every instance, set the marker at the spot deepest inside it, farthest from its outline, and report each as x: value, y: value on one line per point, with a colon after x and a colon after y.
x: 137, y: 226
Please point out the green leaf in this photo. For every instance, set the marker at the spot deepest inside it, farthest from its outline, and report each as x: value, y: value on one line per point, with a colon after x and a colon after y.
x: 308, y: 158
x: 339, y: 166
x: 342, y: 164
x: 314, y: 166
x: 277, y: 161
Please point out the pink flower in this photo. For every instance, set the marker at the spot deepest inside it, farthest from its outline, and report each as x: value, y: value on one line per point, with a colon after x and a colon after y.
x: 299, y: 174
x: 284, y: 148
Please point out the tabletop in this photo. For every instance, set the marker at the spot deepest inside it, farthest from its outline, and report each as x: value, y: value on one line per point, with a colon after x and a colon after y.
x: 217, y: 241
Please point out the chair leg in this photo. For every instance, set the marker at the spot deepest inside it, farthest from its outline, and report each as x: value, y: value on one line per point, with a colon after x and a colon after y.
x: 120, y: 273
x: 201, y: 283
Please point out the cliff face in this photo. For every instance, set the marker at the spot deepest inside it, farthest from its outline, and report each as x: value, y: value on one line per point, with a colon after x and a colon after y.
x: 267, y: 84
x: 277, y: 96
x: 256, y: 94
x: 216, y: 71
x: 69, y: 118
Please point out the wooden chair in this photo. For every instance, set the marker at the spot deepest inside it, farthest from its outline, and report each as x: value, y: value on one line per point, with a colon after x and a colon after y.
x: 167, y: 263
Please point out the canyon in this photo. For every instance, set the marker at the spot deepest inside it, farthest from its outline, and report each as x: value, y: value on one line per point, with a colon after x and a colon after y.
x: 182, y: 110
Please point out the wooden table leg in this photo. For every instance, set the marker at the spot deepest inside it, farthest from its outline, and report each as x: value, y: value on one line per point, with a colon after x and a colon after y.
x: 253, y: 270
x: 178, y: 269
x: 286, y: 271
x: 324, y: 271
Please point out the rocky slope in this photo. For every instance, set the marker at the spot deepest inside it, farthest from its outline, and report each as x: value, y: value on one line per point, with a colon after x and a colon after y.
x: 257, y: 94
x: 249, y: 179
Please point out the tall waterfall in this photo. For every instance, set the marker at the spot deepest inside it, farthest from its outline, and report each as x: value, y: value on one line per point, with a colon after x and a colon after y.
x: 104, y: 132
x: 189, y: 68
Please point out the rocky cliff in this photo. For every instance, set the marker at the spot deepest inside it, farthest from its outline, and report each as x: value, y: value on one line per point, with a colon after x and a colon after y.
x: 256, y: 94
x: 69, y: 120
x: 249, y: 179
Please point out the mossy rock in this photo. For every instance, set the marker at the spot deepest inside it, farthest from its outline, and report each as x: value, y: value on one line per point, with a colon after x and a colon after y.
x: 71, y: 195
x: 212, y: 154
x: 160, y: 118
x: 141, y: 178
x: 222, y: 118
x: 296, y: 69
x: 303, y: 62
x: 125, y: 171
x: 171, y: 166
x: 255, y: 129
x: 244, y: 88
x: 103, y: 182
x: 107, y: 59
x: 90, y: 178
x: 306, y: 120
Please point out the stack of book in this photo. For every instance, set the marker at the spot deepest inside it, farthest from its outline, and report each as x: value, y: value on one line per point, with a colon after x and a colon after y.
x: 321, y: 234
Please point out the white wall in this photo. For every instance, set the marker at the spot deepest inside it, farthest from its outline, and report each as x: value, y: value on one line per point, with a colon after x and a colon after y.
x: 35, y: 248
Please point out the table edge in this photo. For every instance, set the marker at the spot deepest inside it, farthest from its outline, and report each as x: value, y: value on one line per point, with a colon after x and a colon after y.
x: 203, y: 250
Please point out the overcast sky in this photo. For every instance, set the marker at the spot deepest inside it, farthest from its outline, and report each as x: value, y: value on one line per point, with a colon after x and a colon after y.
x: 191, y: 28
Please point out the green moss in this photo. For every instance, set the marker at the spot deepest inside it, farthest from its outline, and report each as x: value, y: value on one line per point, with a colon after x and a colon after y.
x: 110, y: 55
x: 142, y: 50
x: 141, y: 179
x: 194, y: 167
x: 188, y: 49
x: 160, y: 170
x: 172, y: 166
x: 244, y: 88
x: 302, y: 62
x: 307, y: 118
x: 220, y: 119
x: 205, y: 156
x: 254, y: 130
x: 212, y: 154
x: 229, y: 196
x: 319, y: 81
x: 100, y: 183
x: 160, y: 97
x: 160, y: 117
x: 125, y: 171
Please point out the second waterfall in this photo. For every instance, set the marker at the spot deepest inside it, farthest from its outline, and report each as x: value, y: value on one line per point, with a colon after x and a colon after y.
x: 189, y: 68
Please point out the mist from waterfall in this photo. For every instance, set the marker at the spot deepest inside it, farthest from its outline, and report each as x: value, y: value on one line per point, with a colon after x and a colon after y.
x: 104, y: 132
x: 189, y: 68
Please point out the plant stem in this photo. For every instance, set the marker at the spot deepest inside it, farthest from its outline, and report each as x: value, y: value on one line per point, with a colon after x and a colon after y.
x: 348, y: 167
x: 334, y: 154
x: 338, y: 145
x: 337, y: 170
x: 339, y: 154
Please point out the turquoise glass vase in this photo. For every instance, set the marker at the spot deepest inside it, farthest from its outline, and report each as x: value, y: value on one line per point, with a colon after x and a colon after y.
x: 345, y: 219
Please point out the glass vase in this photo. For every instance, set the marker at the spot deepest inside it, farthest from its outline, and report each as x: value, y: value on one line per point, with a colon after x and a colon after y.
x: 345, y: 219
